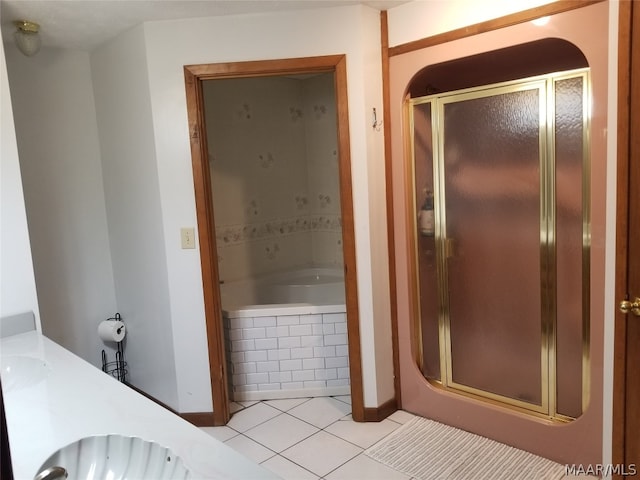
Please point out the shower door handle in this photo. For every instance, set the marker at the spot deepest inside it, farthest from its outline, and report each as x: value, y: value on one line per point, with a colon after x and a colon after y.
x: 631, y: 307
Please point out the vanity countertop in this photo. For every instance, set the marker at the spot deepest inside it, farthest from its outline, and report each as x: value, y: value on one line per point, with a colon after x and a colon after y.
x: 67, y: 399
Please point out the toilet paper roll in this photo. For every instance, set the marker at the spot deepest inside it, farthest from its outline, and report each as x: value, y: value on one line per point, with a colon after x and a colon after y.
x: 111, y: 330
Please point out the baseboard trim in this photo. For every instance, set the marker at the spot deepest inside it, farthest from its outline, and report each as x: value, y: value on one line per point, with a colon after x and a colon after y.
x: 153, y: 399
x: 378, y: 414
x: 199, y: 419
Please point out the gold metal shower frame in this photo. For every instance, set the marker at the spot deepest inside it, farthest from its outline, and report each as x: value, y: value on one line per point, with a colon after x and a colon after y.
x: 545, y: 84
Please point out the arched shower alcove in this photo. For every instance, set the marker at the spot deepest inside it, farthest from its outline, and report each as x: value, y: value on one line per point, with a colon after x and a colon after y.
x: 498, y: 192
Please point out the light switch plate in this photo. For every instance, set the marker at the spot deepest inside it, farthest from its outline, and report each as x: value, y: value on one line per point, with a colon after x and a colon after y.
x: 188, y: 236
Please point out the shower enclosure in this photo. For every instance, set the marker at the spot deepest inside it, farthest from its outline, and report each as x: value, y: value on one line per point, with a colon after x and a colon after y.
x: 501, y: 244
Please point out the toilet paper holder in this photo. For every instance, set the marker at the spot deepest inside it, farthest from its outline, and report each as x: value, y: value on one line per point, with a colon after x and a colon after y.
x: 118, y: 367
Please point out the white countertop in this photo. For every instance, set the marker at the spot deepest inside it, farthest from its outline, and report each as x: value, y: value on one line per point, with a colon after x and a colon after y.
x: 76, y: 400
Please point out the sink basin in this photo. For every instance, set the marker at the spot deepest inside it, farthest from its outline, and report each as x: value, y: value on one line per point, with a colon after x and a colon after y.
x: 19, y: 371
x: 117, y: 457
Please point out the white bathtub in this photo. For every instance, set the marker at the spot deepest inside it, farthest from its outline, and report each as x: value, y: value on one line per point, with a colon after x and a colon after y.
x: 299, y: 289
x: 286, y: 335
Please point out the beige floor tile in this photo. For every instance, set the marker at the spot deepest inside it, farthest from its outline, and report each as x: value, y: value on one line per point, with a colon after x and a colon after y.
x: 281, y: 432
x: 363, y: 467
x: 400, y: 416
x: 321, y: 411
x: 363, y: 434
x: 250, y: 449
x: 286, y: 404
x: 287, y: 469
x: 221, y: 433
x: 321, y: 453
x: 252, y: 416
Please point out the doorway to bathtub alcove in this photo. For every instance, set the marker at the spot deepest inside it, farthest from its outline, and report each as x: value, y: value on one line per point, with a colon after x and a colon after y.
x: 267, y: 210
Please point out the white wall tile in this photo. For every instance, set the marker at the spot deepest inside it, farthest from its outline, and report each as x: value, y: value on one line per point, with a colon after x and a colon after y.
x: 269, y: 386
x: 280, y: 377
x: 292, y: 385
x: 280, y: 354
x: 328, y: 329
x: 237, y: 357
x: 288, y: 320
x: 302, y: 375
x: 310, y: 319
x: 243, y: 345
x: 312, y: 340
x: 264, y: 321
x: 266, y: 343
x: 333, y: 317
x: 341, y: 382
x: 324, y: 351
x: 288, y: 342
x: 234, y: 334
x: 315, y: 384
x: 248, y: 333
x: 257, y: 378
x: 269, y: 366
x: 281, y: 331
x: 242, y: 322
x: 339, y: 339
x: 245, y: 388
x: 256, y: 356
x: 326, y: 374
x: 299, y: 330
x: 337, y: 362
x: 302, y: 352
x: 291, y: 364
x: 313, y: 363
x: 248, y: 367
x: 342, y: 350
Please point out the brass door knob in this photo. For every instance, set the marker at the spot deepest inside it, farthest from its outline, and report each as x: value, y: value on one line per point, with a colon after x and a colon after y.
x: 627, y: 306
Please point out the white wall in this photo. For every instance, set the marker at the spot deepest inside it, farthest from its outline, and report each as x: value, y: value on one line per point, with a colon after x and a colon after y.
x: 17, y: 281
x: 134, y: 214
x: 170, y: 45
x: 60, y: 160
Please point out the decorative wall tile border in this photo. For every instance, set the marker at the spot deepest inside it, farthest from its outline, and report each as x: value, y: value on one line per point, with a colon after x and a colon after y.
x: 238, y: 234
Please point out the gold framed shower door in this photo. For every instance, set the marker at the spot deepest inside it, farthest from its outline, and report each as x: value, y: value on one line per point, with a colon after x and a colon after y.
x: 525, y: 346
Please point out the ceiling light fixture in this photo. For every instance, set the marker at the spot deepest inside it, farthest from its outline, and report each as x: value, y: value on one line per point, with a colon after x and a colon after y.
x: 27, y: 37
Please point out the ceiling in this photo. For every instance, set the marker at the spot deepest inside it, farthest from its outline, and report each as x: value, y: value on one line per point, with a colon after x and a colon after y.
x: 86, y: 24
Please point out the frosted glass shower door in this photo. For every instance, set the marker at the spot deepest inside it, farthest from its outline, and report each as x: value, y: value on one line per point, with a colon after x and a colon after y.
x: 502, y: 228
x: 491, y: 185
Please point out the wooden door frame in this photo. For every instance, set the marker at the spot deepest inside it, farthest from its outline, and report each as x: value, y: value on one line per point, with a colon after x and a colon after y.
x: 628, y: 146
x: 195, y: 75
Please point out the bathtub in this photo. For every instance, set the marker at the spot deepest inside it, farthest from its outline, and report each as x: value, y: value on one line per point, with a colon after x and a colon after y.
x: 286, y: 335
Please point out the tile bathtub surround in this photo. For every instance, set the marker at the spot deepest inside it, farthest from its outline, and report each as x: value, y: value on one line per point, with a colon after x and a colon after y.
x: 274, y: 169
x: 287, y: 352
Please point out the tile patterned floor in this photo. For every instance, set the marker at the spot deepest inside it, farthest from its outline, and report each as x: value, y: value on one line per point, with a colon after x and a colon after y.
x: 286, y: 436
